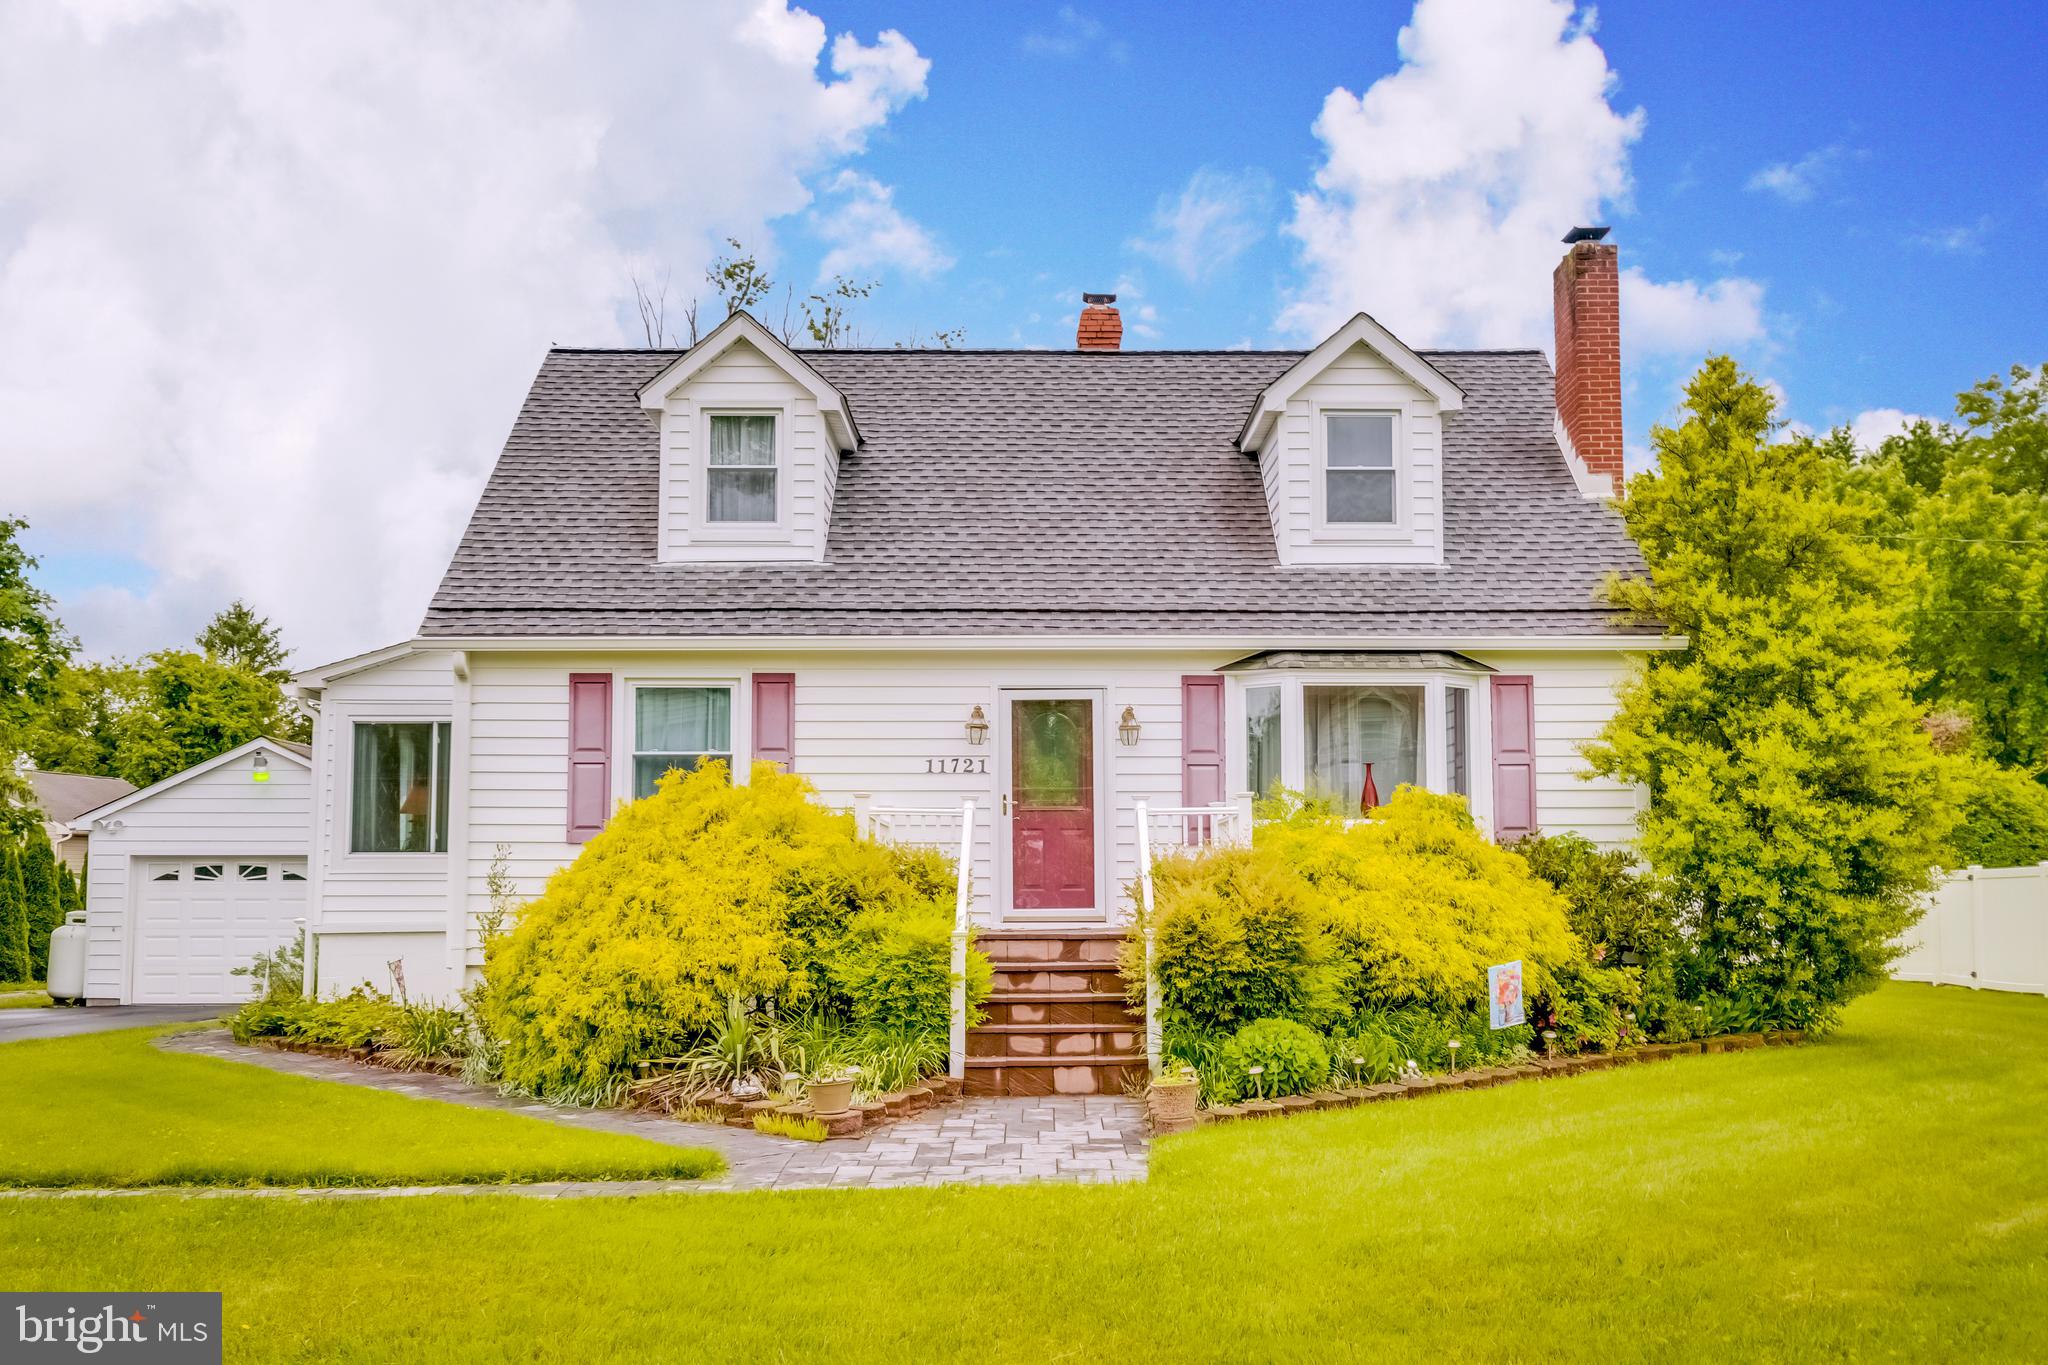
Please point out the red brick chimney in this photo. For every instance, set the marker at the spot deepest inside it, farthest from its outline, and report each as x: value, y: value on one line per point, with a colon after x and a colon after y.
x: 1586, y: 292
x: 1102, y: 327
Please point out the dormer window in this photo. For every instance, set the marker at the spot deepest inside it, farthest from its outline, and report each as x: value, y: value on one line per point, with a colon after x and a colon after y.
x: 739, y: 477
x: 1359, y: 478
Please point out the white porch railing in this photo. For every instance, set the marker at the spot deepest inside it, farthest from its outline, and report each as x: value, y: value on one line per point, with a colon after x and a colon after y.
x: 1178, y: 829
x: 951, y: 831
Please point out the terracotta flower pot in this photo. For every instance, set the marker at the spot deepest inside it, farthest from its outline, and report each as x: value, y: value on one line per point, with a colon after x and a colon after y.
x: 1174, y: 1101
x: 829, y: 1097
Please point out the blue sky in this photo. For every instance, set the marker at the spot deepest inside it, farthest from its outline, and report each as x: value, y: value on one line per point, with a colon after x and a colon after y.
x: 274, y: 278
x: 1902, y: 260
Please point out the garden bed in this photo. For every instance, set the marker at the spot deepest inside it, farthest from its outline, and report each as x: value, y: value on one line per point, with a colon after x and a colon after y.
x: 1478, y: 1078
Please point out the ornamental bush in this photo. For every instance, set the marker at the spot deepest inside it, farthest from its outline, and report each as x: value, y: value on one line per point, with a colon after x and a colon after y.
x: 1294, y: 1058
x: 2005, y: 817
x: 704, y: 893
x: 1418, y: 903
x: 1240, y: 936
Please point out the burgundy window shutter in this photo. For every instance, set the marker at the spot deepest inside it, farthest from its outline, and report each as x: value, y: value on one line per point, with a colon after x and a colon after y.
x: 775, y: 719
x: 1201, y: 740
x: 590, y: 753
x: 1514, y: 758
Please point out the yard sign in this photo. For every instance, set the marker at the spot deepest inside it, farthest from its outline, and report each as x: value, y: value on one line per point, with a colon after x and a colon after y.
x: 1504, y: 994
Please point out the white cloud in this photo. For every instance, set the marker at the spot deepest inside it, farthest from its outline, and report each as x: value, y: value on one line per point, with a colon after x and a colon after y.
x: 867, y: 231
x: 1214, y: 219
x: 1796, y: 182
x: 274, y: 277
x: 1447, y: 185
x: 1074, y: 34
x: 1870, y: 428
x: 1962, y: 239
x: 1686, y: 318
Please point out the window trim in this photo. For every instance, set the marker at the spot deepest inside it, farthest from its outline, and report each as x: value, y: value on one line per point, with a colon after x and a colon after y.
x: 625, y: 717
x: 348, y: 854
x: 1319, y: 440
x: 702, y: 527
x: 1435, y: 685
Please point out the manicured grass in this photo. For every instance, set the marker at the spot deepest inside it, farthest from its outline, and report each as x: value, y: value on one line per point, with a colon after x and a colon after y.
x: 108, y: 1109
x: 1882, y: 1194
x: 7, y: 986
x: 24, y: 1001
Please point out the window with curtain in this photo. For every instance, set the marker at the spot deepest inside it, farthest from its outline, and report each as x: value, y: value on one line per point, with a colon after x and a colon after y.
x: 740, y: 473
x: 1359, y: 476
x: 1458, y: 738
x: 1347, y: 728
x: 1261, y: 739
x: 678, y: 727
x: 399, y: 788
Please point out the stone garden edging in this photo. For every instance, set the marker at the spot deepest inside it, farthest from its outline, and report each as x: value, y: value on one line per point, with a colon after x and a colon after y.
x: 1478, y: 1078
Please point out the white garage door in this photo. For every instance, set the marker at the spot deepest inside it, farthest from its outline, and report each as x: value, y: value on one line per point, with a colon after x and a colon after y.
x: 197, y: 920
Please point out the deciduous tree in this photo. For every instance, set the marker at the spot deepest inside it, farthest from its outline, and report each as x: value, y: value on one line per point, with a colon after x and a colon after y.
x: 1795, y: 805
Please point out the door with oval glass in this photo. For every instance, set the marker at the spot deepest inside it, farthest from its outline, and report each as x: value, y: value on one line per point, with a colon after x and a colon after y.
x: 1051, y: 806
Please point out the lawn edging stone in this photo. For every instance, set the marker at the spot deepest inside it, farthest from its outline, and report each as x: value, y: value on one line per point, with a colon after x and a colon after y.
x: 1479, y: 1078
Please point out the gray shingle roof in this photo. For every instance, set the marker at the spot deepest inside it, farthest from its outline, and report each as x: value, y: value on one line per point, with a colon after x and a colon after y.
x: 1026, y: 493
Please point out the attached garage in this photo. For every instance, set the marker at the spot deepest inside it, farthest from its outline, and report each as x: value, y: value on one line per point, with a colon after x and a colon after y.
x: 195, y: 876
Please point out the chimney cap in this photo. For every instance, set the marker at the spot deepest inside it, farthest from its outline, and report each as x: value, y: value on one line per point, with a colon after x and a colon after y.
x: 1098, y: 298
x: 1586, y: 234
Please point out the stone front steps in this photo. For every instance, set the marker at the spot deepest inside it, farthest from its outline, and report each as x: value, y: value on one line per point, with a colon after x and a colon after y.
x: 1057, y: 1023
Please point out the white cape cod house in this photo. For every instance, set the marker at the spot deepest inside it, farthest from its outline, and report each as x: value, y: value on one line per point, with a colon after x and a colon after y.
x: 1056, y: 584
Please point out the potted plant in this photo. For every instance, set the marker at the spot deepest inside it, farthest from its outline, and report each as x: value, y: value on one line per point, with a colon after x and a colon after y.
x: 830, y: 1089
x: 1174, y: 1093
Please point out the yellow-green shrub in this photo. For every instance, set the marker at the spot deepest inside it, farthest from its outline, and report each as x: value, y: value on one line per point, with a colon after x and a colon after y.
x: 1418, y: 904
x: 1239, y: 936
x: 702, y: 892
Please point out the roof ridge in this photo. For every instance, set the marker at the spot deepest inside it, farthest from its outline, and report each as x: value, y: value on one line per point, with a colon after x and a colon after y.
x: 652, y: 351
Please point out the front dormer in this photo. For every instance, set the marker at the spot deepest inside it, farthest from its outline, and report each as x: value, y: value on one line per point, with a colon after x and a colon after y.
x: 750, y: 442
x: 1350, y: 447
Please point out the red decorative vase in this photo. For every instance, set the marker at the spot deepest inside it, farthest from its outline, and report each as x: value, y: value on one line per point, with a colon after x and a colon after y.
x: 1370, y: 797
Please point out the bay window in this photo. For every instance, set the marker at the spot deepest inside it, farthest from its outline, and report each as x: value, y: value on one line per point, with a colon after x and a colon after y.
x: 1349, y: 727
x: 678, y: 727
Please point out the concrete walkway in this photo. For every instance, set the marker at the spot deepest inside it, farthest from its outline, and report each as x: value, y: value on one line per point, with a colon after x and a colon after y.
x: 65, y: 1021
x: 1092, y: 1140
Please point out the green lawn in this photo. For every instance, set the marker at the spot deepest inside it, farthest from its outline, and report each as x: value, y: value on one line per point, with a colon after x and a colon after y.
x: 108, y: 1109
x: 1883, y: 1194
x: 23, y: 1001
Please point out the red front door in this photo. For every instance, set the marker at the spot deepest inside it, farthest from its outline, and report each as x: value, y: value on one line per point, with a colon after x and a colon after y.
x: 1052, y: 803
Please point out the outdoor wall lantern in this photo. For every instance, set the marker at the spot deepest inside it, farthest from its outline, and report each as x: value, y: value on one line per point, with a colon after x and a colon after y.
x: 259, y: 771
x: 1127, y: 729
x: 977, y: 726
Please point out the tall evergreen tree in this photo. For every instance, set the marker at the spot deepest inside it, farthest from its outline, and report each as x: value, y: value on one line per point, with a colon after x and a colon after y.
x: 15, y: 964
x: 43, y: 911
x: 1795, y: 804
x: 33, y: 651
x: 238, y: 637
x: 70, y: 893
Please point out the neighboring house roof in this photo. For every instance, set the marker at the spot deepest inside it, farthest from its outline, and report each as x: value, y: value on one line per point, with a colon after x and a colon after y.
x: 1029, y: 493
x: 66, y: 796
x: 285, y: 749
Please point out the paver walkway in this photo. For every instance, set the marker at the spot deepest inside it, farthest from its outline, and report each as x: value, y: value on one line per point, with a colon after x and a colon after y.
x: 1096, y: 1139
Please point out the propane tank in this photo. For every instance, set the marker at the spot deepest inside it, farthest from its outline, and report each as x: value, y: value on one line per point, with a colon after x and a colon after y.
x: 67, y: 959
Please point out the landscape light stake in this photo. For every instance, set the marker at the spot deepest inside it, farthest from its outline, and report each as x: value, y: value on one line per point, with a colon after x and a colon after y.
x: 1454, y: 1045
x: 1257, y: 1074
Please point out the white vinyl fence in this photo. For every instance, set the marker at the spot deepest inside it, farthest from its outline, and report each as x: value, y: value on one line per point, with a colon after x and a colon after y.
x: 1986, y: 928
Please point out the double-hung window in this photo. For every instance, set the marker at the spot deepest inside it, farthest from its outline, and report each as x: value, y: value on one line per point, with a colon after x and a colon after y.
x: 1358, y: 474
x: 740, y: 473
x: 678, y: 727
x: 399, y: 787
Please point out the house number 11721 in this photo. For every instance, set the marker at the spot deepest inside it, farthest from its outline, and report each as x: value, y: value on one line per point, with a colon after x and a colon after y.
x: 977, y: 767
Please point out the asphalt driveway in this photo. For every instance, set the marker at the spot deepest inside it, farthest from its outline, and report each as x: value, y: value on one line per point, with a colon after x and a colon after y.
x: 55, y: 1022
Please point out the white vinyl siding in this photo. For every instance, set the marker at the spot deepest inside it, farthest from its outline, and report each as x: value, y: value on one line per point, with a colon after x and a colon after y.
x: 1574, y: 697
